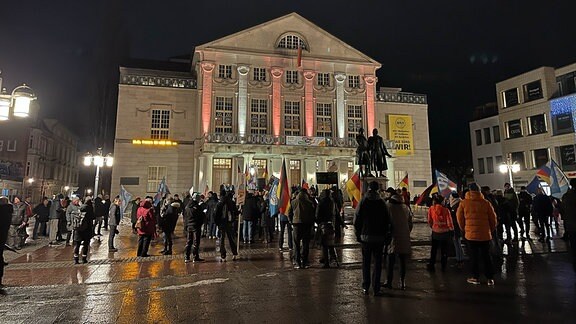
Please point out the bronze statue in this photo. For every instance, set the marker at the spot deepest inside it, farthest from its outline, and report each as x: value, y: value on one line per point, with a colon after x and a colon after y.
x: 378, y: 153
x: 362, y: 154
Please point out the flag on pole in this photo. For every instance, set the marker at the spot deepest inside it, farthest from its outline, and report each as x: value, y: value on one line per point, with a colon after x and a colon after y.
x: 265, y: 175
x: 425, y: 194
x: 404, y: 182
x: 162, y: 191
x: 555, y: 178
x: 354, y: 188
x: 299, y: 55
x: 125, y: 197
x: 283, y: 191
x: 273, y: 197
x: 445, y: 185
x: 533, y: 186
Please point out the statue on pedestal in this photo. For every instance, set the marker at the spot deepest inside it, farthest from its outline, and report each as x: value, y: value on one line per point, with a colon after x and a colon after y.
x: 378, y: 153
x: 362, y: 154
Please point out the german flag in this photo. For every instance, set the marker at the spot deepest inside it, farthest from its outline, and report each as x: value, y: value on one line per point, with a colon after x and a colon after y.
x: 425, y: 194
x: 404, y: 183
x: 283, y: 191
x: 354, y: 189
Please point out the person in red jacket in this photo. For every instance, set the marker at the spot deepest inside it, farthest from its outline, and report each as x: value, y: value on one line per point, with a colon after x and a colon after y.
x: 146, y: 226
x: 440, y: 221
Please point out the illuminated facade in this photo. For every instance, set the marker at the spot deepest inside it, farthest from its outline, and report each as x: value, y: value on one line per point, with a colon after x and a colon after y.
x: 285, y: 89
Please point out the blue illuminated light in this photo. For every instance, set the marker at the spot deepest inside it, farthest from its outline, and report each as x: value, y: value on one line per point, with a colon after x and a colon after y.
x: 563, y: 106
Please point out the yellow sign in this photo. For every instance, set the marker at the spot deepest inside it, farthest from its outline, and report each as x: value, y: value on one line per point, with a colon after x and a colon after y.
x: 400, y: 131
x: 154, y: 142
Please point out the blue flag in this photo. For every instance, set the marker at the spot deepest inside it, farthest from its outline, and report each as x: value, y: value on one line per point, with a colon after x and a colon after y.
x: 273, y: 196
x: 125, y: 198
x: 559, y: 181
x: 445, y: 185
x: 533, y: 186
x: 162, y: 191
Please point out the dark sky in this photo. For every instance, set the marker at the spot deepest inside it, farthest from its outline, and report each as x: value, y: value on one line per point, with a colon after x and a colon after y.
x: 453, y: 51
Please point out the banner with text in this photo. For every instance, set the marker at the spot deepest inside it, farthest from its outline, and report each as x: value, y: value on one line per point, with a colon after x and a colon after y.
x: 400, y: 131
x: 305, y: 141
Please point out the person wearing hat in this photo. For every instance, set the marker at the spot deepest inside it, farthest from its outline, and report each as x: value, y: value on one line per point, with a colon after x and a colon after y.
x: 477, y: 220
x: 372, y: 228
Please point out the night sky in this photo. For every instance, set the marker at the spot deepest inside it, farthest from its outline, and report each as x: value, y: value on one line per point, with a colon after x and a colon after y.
x: 453, y: 51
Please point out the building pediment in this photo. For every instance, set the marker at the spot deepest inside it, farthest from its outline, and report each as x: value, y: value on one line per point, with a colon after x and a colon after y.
x: 265, y: 39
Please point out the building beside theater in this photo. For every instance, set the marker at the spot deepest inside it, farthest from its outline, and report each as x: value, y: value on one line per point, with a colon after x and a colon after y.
x: 285, y: 89
x: 536, y: 118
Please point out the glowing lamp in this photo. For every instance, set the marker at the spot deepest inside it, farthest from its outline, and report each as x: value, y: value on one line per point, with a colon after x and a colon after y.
x: 503, y: 168
x: 22, y: 106
x: 87, y: 160
x: 99, y: 160
x: 109, y: 160
x: 515, y: 167
x: 4, y: 109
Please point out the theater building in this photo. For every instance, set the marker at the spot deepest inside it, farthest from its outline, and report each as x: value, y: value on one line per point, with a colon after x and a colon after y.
x: 285, y: 89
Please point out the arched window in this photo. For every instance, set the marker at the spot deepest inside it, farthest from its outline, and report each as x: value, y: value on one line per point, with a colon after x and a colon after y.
x: 291, y: 41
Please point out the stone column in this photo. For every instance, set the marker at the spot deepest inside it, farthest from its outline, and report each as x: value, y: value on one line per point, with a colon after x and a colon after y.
x: 201, y: 172
x: 207, y: 68
x: 309, y: 170
x: 242, y: 98
x: 309, y: 102
x: 322, y: 163
x: 390, y: 171
x: 209, y: 162
x: 370, y: 82
x: 276, y: 99
x: 340, y: 109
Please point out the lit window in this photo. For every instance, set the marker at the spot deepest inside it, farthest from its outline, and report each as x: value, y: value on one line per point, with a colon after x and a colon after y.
x: 292, y: 118
x: 260, y: 165
x: 533, y: 91
x: 324, y: 120
x: 259, y: 116
x: 481, y: 169
x: 496, y: 131
x: 218, y: 163
x: 292, y: 42
x: 324, y: 79
x: 259, y: 74
x: 518, y: 157
x: 514, y: 128
x: 510, y: 97
x: 353, y: 81
x: 292, y: 77
x: 223, y: 115
x: 487, y: 137
x: 490, y: 164
x: 540, y: 157
x: 225, y: 71
x: 537, y: 124
x: 160, y: 124
x: 354, y: 120
x: 155, y: 176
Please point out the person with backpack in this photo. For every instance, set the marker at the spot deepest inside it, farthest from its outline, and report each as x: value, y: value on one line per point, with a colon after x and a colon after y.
x: 83, y: 231
x: 440, y: 221
x: 226, y: 213
x: 145, y: 226
x: 195, y: 219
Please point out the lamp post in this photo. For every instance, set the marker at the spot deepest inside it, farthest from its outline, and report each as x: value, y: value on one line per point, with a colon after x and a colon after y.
x: 510, y: 167
x: 15, y: 103
x: 99, y: 161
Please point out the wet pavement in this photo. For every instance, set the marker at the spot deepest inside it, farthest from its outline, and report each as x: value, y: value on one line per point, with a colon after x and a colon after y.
x: 535, y: 282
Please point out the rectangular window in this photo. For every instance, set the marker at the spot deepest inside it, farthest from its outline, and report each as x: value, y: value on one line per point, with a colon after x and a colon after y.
x: 324, y: 120
x: 514, y: 128
x: 160, y: 128
x: 259, y: 116
x: 498, y: 160
x: 420, y: 183
x: 478, y: 137
x: 481, y: 169
x: 259, y: 74
x: 539, y: 157
x: 223, y: 115
x: 155, y: 176
x: 292, y: 77
x: 28, y: 164
x: 518, y: 157
x: 563, y: 123
x: 31, y: 142
x: 537, y: 124
x: 222, y: 163
x: 353, y: 81
x: 324, y: 79
x: 292, y: 118
x: 490, y: 164
x: 260, y: 165
x: 567, y: 157
x: 487, y: 137
x: 225, y: 71
x: 533, y: 91
x: 510, y: 97
x: 496, y: 133
x: 354, y: 120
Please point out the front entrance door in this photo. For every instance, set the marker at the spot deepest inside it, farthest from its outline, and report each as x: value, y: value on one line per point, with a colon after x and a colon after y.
x: 295, y: 172
x: 221, y: 172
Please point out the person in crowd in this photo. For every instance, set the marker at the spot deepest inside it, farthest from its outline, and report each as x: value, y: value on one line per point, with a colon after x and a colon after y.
x: 503, y: 216
x: 186, y: 202
x: 477, y: 219
x: 18, y: 223
x: 225, y: 216
x: 496, y: 237
x: 524, y: 207
x: 338, y: 199
x: 372, y: 229
x: 267, y: 219
x: 6, y: 211
x: 99, y: 211
x: 568, y: 212
x: 62, y: 223
x: 555, y: 217
x: 42, y: 213
x: 542, y: 207
x: 114, y: 216
x: 302, y: 212
x: 53, y: 219
x: 326, y: 219
x: 285, y: 226
x: 107, y: 204
x: 453, y: 204
x: 195, y: 217
x: 82, y: 223
x: 72, y: 212
x: 168, y: 224
x: 512, y: 203
x: 440, y: 221
x: 249, y: 214
x: 145, y: 226
x: 211, y: 203
x: 134, y: 205
x: 400, y: 247
x: 406, y: 197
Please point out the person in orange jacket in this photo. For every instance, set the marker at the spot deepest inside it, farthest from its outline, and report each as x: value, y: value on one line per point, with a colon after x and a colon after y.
x: 440, y: 221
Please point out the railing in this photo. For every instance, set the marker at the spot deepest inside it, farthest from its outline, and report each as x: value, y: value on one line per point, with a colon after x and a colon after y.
x: 401, y: 97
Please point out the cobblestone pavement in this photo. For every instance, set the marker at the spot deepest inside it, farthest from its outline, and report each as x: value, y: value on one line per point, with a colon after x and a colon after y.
x: 535, y: 282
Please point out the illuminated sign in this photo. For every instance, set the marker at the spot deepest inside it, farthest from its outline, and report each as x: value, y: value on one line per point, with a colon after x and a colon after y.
x: 154, y: 142
x: 400, y: 131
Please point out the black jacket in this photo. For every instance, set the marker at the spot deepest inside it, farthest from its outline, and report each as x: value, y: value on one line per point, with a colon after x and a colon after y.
x: 211, y: 208
x: 524, y: 202
x: 42, y: 211
x: 99, y: 208
x: 6, y: 211
x: 325, y: 210
x: 542, y: 205
x: 194, y: 216
x: 226, y: 211
x: 372, y: 221
x: 86, y: 233
x: 170, y: 217
x: 251, y: 208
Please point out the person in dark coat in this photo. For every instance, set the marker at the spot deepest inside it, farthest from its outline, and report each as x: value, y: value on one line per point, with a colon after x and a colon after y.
x: 225, y: 216
x: 107, y: 204
x: 19, y: 223
x: 568, y: 212
x: 453, y: 204
x: 170, y: 218
x: 338, y: 199
x: 6, y: 211
x: 249, y: 215
x: 524, y: 207
x: 42, y: 212
x: 99, y: 211
x: 135, y: 204
x: 147, y: 228
x: 62, y: 223
x: 302, y: 218
x: 372, y: 229
x: 400, y: 246
x: 211, y: 203
x: 326, y: 216
x: 83, y: 231
x: 195, y: 218
x: 114, y: 216
x: 542, y: 206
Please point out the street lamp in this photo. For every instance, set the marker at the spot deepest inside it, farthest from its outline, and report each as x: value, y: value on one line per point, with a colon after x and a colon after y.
x: 16, y: 103
x: 510, y: 167
x: 99, y: 161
